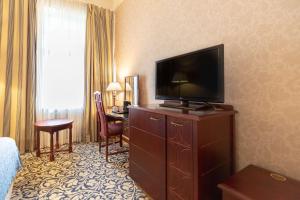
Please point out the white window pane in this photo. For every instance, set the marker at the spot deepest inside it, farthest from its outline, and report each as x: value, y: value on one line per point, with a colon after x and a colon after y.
x: 61, y: 54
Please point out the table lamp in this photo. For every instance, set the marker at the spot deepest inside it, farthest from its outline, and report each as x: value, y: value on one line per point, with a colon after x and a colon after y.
x: 114, y: 87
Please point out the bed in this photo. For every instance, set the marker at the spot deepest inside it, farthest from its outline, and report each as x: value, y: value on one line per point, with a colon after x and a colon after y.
x: 10, y: 163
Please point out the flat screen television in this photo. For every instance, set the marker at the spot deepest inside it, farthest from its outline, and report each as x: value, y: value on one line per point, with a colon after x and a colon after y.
x: 197, y: 76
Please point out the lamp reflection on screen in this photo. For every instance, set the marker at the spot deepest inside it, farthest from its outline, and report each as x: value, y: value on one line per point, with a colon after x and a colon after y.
x: 179, y: 77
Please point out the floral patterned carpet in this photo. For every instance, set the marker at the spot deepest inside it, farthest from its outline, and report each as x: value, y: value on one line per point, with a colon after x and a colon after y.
x: 83, y: 174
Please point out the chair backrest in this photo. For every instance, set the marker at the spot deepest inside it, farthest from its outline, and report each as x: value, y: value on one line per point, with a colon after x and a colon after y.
x: 101, y: 117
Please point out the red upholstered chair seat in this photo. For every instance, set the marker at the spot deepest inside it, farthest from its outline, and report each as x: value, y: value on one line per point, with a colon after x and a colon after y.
x: 115, y: 128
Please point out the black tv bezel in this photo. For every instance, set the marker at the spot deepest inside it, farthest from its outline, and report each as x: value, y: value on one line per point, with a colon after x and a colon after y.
x: 219, y: 99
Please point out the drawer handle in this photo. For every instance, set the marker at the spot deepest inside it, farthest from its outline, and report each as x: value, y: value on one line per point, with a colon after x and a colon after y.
x: 154, y: 119
x: 278, y: 177
x: 176, y: 124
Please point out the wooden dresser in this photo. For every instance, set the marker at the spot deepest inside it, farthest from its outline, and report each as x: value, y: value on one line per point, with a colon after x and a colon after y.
x: 175, y: 155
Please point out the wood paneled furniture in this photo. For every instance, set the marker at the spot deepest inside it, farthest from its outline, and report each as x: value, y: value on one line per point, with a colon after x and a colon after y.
x: 259, y: 184
x: 107, y: 127
x: 53, y: 126
x: 181, y: 155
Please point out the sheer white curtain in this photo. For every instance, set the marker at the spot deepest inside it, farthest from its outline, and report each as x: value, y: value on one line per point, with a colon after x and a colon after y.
x: 61, y: 33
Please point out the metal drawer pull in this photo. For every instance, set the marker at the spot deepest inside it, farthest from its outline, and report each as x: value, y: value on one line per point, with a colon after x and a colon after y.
x: 278, y: 177
x: 154, y: 119
x: 176, y: 124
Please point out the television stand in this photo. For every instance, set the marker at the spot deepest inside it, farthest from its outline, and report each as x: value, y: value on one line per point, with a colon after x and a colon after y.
x: 181, y: 140
x: 185, y: 105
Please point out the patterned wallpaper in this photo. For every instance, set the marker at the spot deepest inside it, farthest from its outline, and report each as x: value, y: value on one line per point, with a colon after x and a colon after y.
x: 262, y: 64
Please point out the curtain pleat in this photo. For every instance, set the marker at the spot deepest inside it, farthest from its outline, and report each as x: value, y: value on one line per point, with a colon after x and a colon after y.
x: 17, y: 71
x: 1, y: 16
x: 99, y: 64
x: 31, y: 76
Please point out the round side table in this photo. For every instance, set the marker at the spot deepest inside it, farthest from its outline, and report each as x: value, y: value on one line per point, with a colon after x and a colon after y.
x: 53, y: 126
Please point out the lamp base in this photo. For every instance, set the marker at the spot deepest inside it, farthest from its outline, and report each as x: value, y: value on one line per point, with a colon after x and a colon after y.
x: 115, y: 109
x: 114, y: 99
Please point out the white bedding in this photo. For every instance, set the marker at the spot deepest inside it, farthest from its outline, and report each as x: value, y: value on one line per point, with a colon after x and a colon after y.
x: 9, y: 193
x: 10, y: 163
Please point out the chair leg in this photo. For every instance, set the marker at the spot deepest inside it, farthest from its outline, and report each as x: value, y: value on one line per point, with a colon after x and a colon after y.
x: 121, y: 141
x: 100, y: 142
x: 106, y: 148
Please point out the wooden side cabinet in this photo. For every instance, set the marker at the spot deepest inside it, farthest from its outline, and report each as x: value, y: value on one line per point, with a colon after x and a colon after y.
x: 257, y: 183
x: 175, y: 155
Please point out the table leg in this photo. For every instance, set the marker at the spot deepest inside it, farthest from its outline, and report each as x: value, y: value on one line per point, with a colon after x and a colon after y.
x: 51, y: 147
x: 38, y: 151
x: 34, y: 138
x: 57, y: 140
x: 70, y: 140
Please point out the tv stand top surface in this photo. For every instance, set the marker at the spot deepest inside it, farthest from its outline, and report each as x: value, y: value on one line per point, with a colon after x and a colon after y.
x: 221, y: 109
x: 192, y: 107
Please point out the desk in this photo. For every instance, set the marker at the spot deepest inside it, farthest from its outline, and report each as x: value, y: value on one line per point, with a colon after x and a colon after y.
x: 122, y: 117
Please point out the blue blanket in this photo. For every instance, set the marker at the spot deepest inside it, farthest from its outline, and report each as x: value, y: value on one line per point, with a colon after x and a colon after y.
x: 9, y: 164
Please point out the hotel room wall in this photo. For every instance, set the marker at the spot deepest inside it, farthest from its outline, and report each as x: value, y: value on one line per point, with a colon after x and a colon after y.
x: 107, y: 4
x: 262, y: 64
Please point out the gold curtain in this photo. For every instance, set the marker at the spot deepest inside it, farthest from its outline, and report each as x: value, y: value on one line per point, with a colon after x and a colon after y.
x: 99, y: 64
x: 17, y: 71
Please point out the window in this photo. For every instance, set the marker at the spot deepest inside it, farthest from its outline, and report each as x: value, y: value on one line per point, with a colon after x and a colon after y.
x: 60, y: 54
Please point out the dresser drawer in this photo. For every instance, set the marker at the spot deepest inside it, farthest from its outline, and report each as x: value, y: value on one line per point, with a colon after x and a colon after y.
x: 154, y: 187
x: 153, y: 123
x: 179, y: 184
x: 180, y: 131
x: 180, y: 157
x: 149, y: 163
x: 148, y: 143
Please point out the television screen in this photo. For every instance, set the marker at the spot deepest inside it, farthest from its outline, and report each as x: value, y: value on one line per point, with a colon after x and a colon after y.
x: 196, y: 76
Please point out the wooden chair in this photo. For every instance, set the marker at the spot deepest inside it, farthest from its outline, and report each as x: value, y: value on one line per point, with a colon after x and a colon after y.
x: 107, y: 127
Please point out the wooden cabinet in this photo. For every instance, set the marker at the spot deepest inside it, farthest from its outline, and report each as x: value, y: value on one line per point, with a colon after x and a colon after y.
x: 175, y: 155
x: 148, y: 151
x: 257, y: 183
